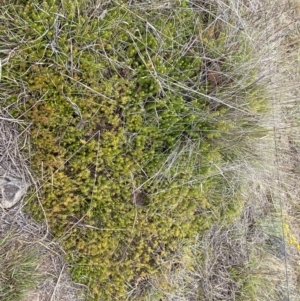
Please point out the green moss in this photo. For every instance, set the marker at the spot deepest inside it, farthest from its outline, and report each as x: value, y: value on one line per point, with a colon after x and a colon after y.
x: 122, y: 132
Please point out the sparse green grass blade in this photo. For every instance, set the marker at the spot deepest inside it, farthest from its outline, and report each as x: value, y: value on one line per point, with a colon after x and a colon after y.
x: 19, y: 268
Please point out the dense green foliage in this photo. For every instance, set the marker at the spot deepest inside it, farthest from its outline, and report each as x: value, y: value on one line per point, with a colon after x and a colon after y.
x: 124, y: 119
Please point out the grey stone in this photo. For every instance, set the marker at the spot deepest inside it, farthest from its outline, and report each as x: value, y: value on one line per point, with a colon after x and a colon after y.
x: 12, y: 190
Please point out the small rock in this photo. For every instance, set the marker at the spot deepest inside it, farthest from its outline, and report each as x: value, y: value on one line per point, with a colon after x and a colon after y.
x: 11, y: 191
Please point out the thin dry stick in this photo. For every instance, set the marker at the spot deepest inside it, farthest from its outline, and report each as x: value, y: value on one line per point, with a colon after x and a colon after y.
x: 57, y: 282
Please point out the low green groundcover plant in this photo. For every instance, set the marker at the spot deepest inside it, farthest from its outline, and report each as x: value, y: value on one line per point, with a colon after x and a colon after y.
x: 125, y: 124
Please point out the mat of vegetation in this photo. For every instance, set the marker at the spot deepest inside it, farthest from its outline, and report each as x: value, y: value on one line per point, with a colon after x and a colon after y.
x: 131, y: 112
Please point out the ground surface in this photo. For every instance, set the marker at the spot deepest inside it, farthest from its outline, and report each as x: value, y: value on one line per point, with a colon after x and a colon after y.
x: 274, y: 189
